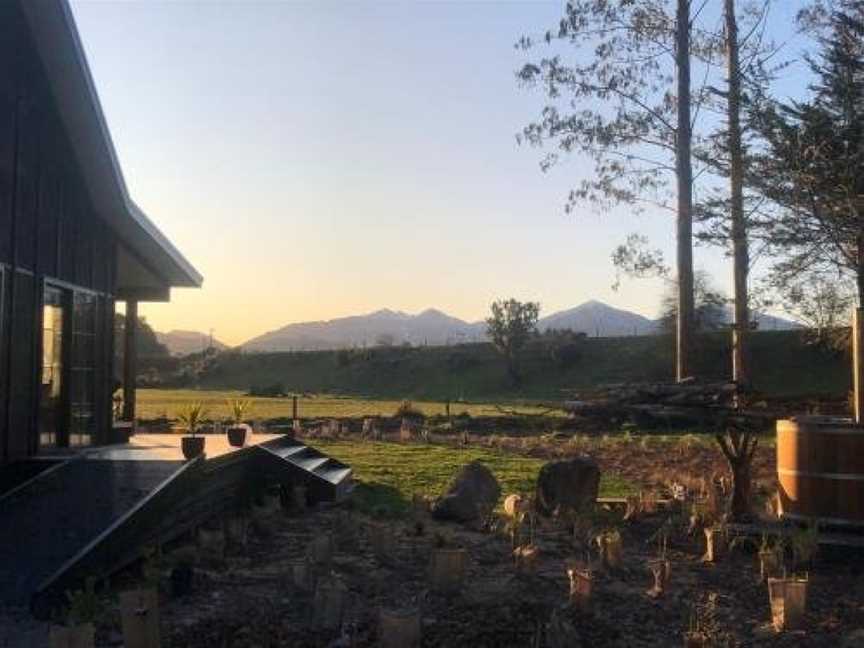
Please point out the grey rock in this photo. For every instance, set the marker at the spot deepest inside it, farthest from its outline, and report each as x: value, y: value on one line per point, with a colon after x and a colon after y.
x: 569, y: 484
x: 473, y: 492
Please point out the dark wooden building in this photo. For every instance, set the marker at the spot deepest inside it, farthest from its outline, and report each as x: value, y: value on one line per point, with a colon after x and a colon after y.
x: 72, y: 242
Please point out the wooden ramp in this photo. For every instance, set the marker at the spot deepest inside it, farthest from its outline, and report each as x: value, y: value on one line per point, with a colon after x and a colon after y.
x: 94, y: 513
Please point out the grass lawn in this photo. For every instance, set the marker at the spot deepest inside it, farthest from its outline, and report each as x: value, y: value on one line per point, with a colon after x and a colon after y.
x: 154, y: 403
x: 388, y: 474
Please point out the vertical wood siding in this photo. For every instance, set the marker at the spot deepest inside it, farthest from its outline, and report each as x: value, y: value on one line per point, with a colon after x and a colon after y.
x: 48, y: 231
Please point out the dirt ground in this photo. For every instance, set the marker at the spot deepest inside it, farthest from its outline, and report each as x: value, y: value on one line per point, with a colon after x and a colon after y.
x: 251, y: 599
x: 248, y: 597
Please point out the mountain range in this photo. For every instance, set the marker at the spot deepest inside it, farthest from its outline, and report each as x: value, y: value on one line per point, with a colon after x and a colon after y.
x: 433, y: 327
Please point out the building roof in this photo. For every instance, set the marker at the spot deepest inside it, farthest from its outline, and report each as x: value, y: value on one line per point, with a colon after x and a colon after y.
x: 150, y: 256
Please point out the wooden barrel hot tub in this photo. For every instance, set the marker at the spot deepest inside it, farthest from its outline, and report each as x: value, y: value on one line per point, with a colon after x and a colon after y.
x: 820, y: 469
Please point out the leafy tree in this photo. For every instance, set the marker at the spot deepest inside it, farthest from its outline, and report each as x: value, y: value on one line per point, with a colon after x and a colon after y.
x: 146, y: 343
x: 822, y: 305
x: 621, y: 104
x: 509, y: 327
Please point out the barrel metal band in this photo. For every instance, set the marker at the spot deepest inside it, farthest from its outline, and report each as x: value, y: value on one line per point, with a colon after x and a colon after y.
x: 825, y: 520
x: 795, y: 429
x: 821, y: 475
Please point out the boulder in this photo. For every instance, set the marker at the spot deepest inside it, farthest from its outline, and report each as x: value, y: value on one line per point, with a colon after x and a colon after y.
x: 569, y: 484
x: 473, y: 492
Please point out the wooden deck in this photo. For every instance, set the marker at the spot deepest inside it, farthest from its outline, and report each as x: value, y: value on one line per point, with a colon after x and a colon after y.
x: 166, y: 447
x: 93, y: 512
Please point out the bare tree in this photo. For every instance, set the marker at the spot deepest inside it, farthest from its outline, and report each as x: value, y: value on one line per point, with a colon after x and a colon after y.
x: 629, y: 108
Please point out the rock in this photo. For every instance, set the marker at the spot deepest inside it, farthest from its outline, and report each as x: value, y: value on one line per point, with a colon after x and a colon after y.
x: 570, y: 484
x: 473, y: 492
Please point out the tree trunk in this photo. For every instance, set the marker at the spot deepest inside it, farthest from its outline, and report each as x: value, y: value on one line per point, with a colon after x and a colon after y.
x: 684, y: 172
x: 739, y: 509
x: 740, y: 251
x: 738, y: 444
x: 859, y: 276
x: 858, y: 342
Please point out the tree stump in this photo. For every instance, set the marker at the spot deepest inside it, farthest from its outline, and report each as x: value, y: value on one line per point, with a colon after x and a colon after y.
x: 447, y: 569
x: 139, y: 616
x: 400, y: 628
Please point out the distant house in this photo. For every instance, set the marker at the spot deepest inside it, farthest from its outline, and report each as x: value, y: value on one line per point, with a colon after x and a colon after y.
x: 72, y: 242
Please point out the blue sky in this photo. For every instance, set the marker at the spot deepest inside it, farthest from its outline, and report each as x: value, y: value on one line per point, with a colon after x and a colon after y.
x: 319, y: 159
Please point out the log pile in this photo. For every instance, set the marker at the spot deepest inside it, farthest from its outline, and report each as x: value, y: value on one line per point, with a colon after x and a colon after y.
x: 688, y: 403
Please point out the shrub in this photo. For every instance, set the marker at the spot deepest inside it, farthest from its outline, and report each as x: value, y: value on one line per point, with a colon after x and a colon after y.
x: 410, y: 411
x: 274, y: 390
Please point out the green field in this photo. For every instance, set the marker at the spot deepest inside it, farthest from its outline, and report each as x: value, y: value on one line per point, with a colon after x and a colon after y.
x: 782, y: 365
x: 157, y: 403
x: 389, y: 474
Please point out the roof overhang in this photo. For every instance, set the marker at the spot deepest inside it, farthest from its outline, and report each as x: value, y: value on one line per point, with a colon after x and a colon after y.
x: 62, y: 55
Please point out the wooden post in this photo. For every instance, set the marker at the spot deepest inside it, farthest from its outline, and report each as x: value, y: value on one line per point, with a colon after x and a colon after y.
x: 858, y: 363
x: 130, y: 359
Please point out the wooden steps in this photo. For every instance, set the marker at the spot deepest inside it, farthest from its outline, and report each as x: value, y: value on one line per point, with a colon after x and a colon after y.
x: 94, y: 513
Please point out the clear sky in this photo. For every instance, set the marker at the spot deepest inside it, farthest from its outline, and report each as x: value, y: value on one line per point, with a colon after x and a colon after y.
x: 320, y: 159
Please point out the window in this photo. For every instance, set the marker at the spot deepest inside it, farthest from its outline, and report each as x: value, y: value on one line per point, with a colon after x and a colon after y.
x: 51, y: 382
x: 82, y: 374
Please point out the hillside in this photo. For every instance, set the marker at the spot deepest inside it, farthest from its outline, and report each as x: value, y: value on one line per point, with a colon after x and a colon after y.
x: 782, y: 365
x: 181, y: 343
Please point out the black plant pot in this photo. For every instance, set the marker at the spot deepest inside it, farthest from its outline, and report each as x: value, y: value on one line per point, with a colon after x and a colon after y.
x: 192, y: 446
x: 237, y: 435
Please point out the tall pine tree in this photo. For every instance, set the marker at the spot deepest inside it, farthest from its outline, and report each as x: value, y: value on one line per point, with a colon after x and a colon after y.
x: 812, y: 163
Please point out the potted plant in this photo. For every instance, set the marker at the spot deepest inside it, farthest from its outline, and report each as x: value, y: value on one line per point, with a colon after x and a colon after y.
x: 190, y: 417
x: 237, y: 431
